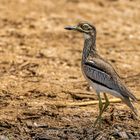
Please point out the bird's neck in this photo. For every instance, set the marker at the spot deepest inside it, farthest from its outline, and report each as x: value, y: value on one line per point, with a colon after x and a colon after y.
x: 89, y: 46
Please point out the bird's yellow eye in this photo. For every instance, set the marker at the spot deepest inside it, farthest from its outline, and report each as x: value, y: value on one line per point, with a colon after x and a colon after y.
x: 86, y: 27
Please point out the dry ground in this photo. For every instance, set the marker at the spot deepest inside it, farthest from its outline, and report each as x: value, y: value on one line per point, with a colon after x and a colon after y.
x: 40, y: 68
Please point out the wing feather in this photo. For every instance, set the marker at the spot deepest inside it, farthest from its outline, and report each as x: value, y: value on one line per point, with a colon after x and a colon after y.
x: 103, y: 73
x: 99, y: 76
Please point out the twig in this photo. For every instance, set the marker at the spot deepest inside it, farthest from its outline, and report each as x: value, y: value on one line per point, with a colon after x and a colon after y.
x: 72, y: 104
x: 115, y: 100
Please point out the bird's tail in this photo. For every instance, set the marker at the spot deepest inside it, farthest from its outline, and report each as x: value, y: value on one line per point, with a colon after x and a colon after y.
x: 130, y: 105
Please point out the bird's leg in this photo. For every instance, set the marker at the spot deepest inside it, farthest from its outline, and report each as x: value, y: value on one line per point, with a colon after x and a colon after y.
x: 100, y: 111
x: 106, y: 103
x: 102, y: 108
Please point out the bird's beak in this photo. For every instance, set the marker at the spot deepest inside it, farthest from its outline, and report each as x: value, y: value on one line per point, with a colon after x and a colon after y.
x: 71, y: 28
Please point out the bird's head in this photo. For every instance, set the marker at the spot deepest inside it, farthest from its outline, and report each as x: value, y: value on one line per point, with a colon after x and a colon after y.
x: 84, y: 27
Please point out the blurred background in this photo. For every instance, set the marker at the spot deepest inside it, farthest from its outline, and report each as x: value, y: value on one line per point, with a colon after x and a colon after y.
x: 40, y: 67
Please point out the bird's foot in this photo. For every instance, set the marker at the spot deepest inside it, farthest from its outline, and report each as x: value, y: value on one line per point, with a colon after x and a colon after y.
x: 98, y: 122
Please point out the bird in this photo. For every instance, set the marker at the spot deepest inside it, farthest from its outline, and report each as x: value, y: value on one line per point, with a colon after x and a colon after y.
x: 99, y: 73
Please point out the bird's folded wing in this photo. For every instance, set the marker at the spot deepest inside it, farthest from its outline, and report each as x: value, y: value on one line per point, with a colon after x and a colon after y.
x: 101, y: 72
x: 99, y: 75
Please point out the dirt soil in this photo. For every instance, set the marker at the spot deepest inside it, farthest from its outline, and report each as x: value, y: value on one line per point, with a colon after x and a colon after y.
x: 40, y: 70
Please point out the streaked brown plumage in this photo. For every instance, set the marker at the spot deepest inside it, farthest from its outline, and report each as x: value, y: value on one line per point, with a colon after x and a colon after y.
x: 99, y: 73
